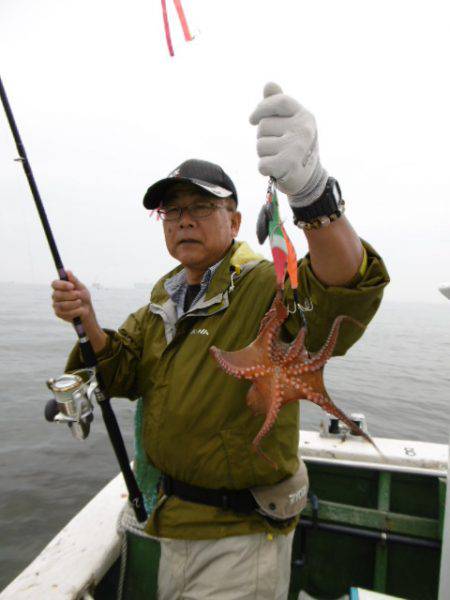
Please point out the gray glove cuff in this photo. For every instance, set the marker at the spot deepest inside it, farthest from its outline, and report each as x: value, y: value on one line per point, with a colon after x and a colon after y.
x: 312, y: 190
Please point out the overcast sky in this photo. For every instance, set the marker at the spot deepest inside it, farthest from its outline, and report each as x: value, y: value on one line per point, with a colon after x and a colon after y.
x: 104, y: 111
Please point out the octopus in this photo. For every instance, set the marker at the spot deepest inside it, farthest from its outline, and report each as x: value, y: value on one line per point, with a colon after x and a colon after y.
x: 281, y: 373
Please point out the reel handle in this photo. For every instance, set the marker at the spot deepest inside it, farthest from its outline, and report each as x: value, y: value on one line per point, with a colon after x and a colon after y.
x: 51, y: 410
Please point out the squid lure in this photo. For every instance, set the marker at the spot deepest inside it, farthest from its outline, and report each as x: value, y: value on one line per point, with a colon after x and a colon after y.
x: 187, y: 34
x: 269, y: 224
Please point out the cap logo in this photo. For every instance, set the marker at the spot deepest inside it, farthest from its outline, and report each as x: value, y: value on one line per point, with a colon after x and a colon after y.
x: 174, y: 173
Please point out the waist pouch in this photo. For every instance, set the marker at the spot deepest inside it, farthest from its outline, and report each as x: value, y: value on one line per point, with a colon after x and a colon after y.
x: 280, y: 501
x: 285, y: 499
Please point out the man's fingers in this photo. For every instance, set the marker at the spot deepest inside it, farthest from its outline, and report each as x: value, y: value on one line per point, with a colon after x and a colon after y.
x: 76, y: 282
x: 273, y: 166
x: 60, y: 284
x: 268, y: 146
x: 66, y: 306
x: 70, y: 315
x: 71, y: 283
x: 273, y: 127
x: 278, y: 105
x: 71, y: 277
x: 65, y: 295
x: 70, y: 298
x: 271, y: 88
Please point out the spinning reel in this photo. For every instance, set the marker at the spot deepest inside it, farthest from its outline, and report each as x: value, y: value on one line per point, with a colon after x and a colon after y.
x: 73, y: 401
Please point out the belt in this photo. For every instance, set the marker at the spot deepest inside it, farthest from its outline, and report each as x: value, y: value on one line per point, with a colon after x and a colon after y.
x: 240, y: 501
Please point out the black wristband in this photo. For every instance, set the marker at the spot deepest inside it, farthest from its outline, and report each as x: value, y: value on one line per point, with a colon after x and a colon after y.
x: 327, y: 204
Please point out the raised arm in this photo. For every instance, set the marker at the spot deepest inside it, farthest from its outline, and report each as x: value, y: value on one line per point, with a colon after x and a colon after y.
x: 336, y: 253
x: 289, y: 151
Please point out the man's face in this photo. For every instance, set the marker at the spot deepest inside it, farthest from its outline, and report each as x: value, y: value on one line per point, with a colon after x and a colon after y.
x: 199, y: 243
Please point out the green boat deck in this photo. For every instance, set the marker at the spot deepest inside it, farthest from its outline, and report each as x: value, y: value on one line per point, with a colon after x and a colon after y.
x: 362, y: 527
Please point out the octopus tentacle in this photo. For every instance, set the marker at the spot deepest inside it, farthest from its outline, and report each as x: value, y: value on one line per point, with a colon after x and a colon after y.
x: 247, y: 372
x: 268, y: 422
x: 265, y: 456
x: 320, y: 357
x: 277, y: 353
x: 273, y: 350
x: 270, y: 328
x: 277, y: 313
x: 271, y: 416
x: 267, y: 319
x: 330, y: 407
x: 296, y: 348
x: 300, y: 387
x: 325, y: 353
x: 297, y: 369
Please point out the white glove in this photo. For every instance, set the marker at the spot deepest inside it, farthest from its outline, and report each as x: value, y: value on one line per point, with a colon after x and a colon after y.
x: 288, y: 147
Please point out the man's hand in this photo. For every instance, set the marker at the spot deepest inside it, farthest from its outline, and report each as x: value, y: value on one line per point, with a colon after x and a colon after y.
x: 288, y: 146
x: 72, y: 299
x: 289, y: 152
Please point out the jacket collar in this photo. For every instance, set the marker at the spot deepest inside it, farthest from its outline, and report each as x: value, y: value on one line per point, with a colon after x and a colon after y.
x: 239, y: 259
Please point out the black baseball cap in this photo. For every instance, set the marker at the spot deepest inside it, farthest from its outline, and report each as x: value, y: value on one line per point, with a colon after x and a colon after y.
x: 201, y: 173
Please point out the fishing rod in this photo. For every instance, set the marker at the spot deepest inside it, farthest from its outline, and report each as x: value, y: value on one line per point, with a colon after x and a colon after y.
x: 74, y: 392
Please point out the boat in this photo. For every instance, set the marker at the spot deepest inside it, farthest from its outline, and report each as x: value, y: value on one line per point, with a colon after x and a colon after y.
x: 381, y: 525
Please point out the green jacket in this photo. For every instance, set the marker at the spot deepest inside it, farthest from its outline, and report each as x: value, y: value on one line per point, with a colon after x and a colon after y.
x: 196, y: 424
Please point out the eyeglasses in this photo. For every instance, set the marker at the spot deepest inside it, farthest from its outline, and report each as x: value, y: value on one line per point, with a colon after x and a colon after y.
x: 199, y: 210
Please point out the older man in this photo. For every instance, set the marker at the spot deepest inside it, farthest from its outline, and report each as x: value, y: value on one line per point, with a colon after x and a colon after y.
x: 197, y: 429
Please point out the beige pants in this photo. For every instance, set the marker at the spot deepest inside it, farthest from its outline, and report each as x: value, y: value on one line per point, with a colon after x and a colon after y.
x: 247, y: 567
